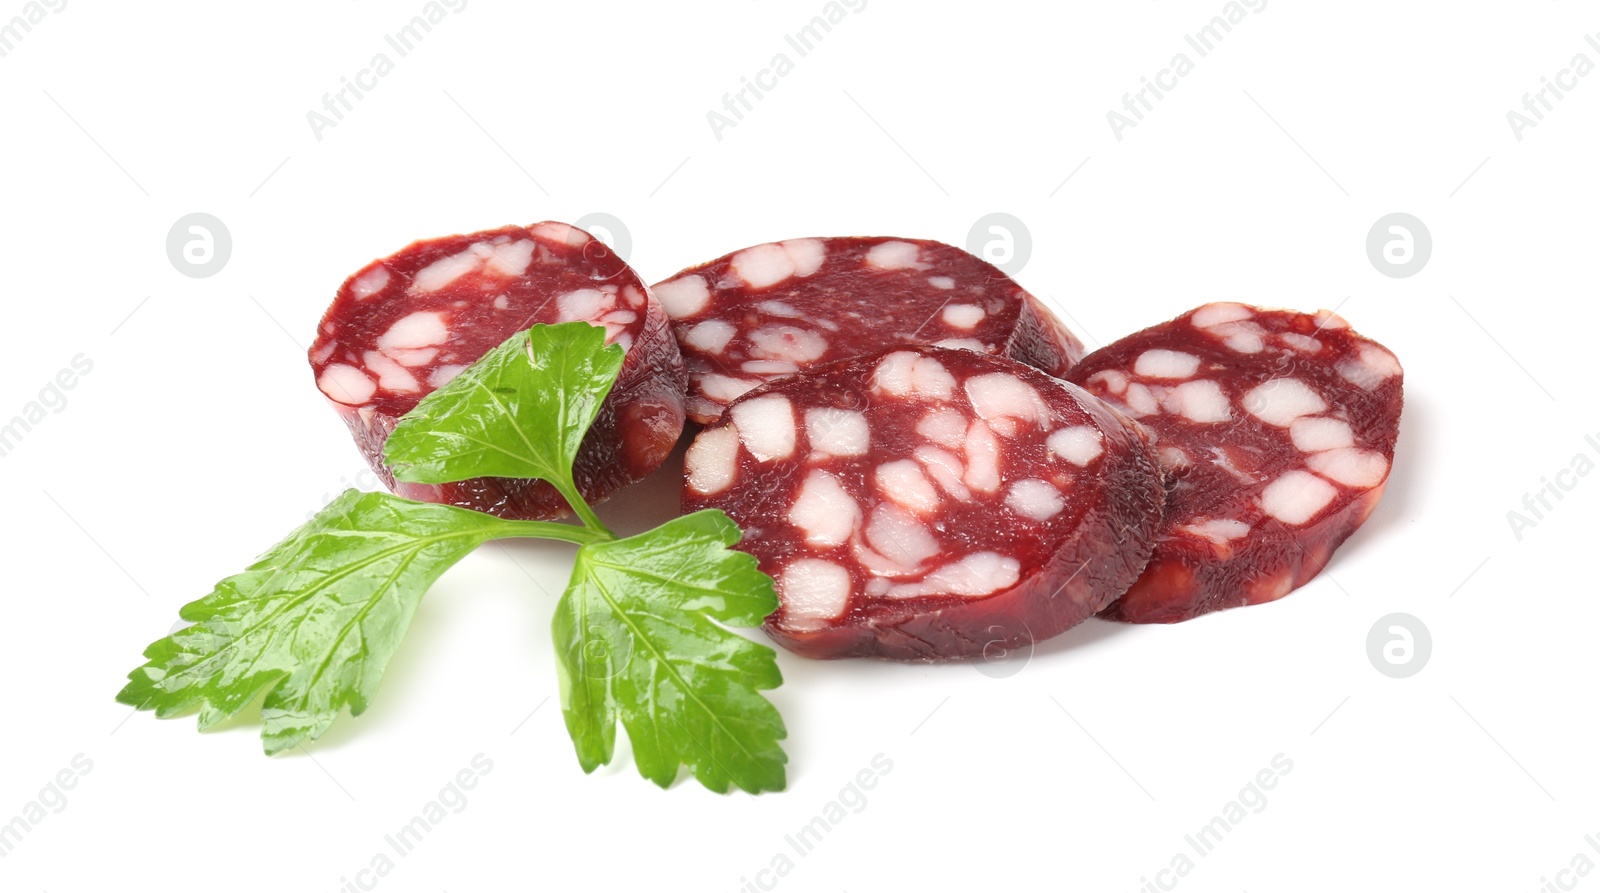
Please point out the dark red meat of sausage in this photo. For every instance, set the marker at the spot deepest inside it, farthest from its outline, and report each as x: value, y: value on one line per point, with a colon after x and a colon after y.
x: 1276, y: 430
x: 783, y: 307
x: 927, y: 503
x: 405, y: 325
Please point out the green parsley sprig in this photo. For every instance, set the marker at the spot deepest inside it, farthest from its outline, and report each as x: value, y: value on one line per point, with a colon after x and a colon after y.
x: 641, y: 633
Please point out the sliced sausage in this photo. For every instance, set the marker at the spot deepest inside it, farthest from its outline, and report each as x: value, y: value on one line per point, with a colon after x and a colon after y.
x: 779, y: 308
x: 925, y: 503
x: 1276, y: 430
x: 405, y: 325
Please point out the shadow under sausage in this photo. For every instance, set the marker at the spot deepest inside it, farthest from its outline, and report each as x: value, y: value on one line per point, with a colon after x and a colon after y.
x: 1402, y: 494
x: 652, y: 502
x: 1085, y: 636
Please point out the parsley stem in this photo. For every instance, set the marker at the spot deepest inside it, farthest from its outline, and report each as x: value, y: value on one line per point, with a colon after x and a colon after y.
x: 555, y: 530
x: 591, y: 521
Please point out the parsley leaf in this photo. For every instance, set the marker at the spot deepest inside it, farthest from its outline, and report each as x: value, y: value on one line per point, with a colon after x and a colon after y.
x: 519, y: 412
x: 641, y: 632
x: 313, y: 623
x: 639, y: 637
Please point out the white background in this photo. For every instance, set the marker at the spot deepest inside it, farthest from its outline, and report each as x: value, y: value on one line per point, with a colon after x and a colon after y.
x: 199, y: 439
